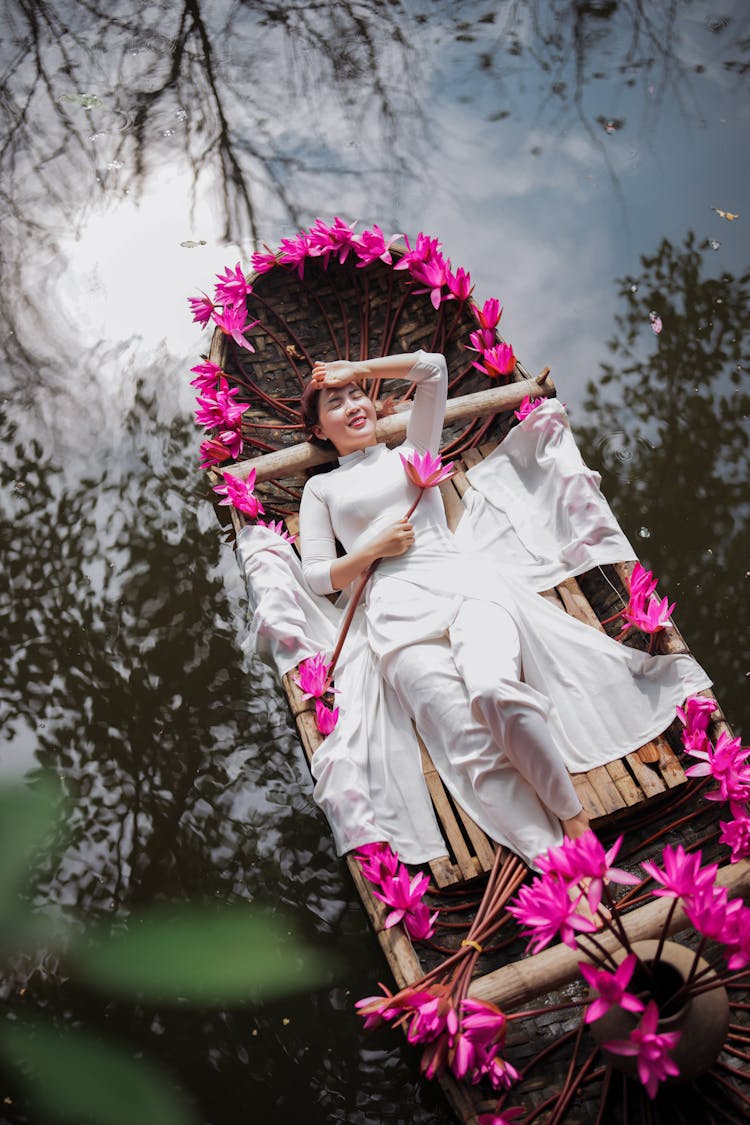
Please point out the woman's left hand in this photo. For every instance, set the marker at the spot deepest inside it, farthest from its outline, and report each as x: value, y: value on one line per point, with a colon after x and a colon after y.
x: 337, y: 373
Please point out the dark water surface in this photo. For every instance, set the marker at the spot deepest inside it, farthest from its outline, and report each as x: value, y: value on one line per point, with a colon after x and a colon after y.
x: 572, y: 156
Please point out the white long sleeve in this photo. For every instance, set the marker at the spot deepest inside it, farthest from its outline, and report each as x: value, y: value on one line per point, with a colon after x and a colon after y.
x: 340, y: 505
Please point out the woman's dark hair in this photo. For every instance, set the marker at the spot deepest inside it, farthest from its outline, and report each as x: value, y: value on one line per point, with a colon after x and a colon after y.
x: 309, y: 405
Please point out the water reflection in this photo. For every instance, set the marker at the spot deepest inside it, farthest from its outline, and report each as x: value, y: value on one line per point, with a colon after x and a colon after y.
x: 550, y: 145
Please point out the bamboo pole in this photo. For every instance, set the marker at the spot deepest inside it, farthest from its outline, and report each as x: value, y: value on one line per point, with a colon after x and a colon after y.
x: 515, y: 985
x: 295, y: 459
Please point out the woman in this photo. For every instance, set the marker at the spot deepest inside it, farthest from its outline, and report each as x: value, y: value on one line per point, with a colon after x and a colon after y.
x: 448, y: 631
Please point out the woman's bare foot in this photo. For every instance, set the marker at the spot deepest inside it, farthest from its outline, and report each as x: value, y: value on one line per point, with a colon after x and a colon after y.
x: 576, y: 826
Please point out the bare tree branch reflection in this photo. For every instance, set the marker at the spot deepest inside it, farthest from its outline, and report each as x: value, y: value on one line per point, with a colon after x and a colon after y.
x: 671, y: 435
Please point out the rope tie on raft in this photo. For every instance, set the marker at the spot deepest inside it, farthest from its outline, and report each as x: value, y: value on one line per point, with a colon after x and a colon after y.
x: 473, y: 944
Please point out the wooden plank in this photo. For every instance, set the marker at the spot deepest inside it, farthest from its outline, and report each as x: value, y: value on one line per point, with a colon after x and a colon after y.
x: 461, y: 482
x: 454, y: 509
x: 576, y: 603
x: 308, y: 732
x: 669, y: 765
x: 553, y: 597
x: 648, y: 779
x: 648, y: 753
x: 485, y: 852
x: 295, y: 699
x: 587, y: 796
x: 606, y: 790
x: 444, y: 873
x: 467, y: 864
x: 472, y: 457
x: 632, y: 794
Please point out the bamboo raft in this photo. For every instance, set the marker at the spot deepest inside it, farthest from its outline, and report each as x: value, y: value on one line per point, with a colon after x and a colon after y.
x: 342, y: 312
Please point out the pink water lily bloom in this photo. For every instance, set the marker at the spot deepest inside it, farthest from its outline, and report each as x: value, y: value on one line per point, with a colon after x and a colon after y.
x: 377, y: 1010
x: 424, y: 250
x: 239, y: 493
x: 736, y: 835
x: 642, y: 583
x: 232, y: 322
x: 709, y: 910
x: 433, y: 1016
x: 682, y: 873
x: 419, y: 923
x: 481, y: 340
x: 508, y: 1116
x: 726, y: 763
x: 586, y: 859
x: 651, y: 1048
x: 225, y: 446
x: 482, y: 1021
x: 371, y: 245
x: 218, y: 407
x: 736, y: 938
x: 295, y: 252
x: 546, y: 909
x: 651, y: 617
x: 263, y: 263
x: 277, y: 527
x: 202, y: 308
x: 696, y: 712
x: 432, y: 275
x: 426, y: 470
x: 498, y: 360
x: 527, y: 406
x: 312, y: 676
x: 402, y: 893
x: 206, y: 375
x: 612, y: 988
x: 489, y: 314
x: 501, y: 1074
x: 325, y: 717
x: 459, y: 285
x: 377, y: 861
x: 232, y: 286
x: 325, y: 239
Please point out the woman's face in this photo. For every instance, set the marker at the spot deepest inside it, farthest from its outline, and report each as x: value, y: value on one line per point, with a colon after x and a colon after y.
x: 346, y: 417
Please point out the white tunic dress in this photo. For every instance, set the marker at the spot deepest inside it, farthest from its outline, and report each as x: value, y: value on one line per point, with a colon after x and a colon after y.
x: 503, y: 687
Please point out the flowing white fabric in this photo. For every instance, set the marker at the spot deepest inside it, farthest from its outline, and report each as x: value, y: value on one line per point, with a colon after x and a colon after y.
x: 525, y: 684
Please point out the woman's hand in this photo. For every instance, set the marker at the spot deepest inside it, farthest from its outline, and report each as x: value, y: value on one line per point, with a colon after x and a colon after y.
x: 394, y: 541
x: 337, y: 373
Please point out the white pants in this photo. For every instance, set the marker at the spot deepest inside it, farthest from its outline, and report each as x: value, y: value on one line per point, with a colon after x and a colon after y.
x: 487, y: 730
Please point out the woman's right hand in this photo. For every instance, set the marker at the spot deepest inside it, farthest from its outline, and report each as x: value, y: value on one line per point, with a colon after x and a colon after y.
x: 394, y: 540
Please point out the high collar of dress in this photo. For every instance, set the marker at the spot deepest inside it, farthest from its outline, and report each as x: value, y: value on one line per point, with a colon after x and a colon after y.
x: 370, y: 451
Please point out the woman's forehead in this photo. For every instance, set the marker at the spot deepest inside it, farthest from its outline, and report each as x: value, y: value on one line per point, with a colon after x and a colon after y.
x: 327, y: 393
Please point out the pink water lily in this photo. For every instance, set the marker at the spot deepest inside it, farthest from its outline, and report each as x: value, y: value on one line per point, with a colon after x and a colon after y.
x: 263, y: 263
x: 419, y: 923
x: 483, y: 1021
x: 482, y: 339
x: 489, y: 315
x: 508, y: 1116
x: 736, y: 938
x: 377, y: 1010
x: 651, y: 1048
x: 651, y: 617
x: 682, y: 873
x: 325, y: 239
x: 402, y: 893
x: 377, y: 861
x: 585, y: 859
x: 459, y: 285
x: 611, y: 987
x: 295, y: 251
x: 239, y: 493
x: 501, y: 1074
x: 709, y: 910
x: 206, y: 375
x: 546, y: 909
x: 218, y: 407
x: 527, y: 406
x: 202, y: 308
x: 498, y: 360
x: 726, y: 763
x: 232, y: 322
x: 696, y: 712
x: 225, y: 446
x: 232, y: 286
x: 371, y: 245
x: 325, y: 717
x: 426, y: 470
x: 312, y: 676
x: 736, y: 835
x: 425, y: 250
x: 277, y: 527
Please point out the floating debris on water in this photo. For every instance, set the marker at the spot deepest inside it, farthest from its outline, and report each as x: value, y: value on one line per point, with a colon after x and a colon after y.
x: 656, y: 323
x: 190, y: 244
x: 85, y: 101
x: 714, y: 243
x: 730, y: 216
x: 644, y: 533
